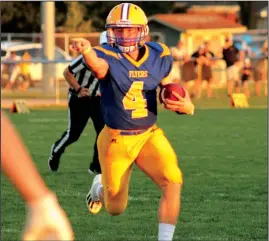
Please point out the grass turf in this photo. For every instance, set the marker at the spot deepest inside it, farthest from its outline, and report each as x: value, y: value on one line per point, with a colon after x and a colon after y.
x: 223, y: 156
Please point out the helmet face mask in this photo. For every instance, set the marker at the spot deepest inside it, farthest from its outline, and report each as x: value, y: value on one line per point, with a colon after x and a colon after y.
x: 126, y: 37
x: 127, y: 27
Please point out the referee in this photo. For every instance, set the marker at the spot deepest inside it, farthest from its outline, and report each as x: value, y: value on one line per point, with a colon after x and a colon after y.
x: 83, y: 102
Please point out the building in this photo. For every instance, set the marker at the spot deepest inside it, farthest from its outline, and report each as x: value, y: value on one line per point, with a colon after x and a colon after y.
x: 193, y: 29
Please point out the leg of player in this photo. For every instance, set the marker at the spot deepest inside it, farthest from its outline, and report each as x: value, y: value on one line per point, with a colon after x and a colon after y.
x: 169, y: 211
x: 78, y: 115
x: 158, y: 160
x: 98, y: 122
x: 45, y: 217
x: 115, y: 197
x: 111, y: 188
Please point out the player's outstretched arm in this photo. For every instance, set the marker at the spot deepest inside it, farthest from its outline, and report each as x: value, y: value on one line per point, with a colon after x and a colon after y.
x: 45, y: 217
x: 98, y: 65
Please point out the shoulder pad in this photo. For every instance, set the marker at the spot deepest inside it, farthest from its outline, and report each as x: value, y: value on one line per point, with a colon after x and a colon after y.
x: 159, y: 47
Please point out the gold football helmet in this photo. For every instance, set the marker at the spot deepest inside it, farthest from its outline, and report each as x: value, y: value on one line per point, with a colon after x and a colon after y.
x: 127, y: 15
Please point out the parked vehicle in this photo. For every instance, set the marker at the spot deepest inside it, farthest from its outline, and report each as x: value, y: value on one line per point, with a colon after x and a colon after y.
x: 251, y: 42
x: 35, y: 50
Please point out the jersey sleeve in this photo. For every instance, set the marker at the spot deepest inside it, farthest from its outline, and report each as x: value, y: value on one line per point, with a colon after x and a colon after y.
x: 106, y: 54
x: 167, y: 65
x: 165, y: 57
x: 99, y: 53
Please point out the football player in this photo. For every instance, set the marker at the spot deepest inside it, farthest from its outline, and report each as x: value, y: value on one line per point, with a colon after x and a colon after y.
x: 83, y: 103
x: 46, y: 220
x: 129, y: 71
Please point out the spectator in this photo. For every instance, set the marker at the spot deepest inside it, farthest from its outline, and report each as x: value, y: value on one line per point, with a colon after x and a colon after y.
x: 13, y: 71
x: 246, y: 73
x: 232, y: 56
x: 180, y: 56
x: 25, y: 71
x: 207, y: 70
x: 203, y: 62
x: 199, y: 61
x: 261, y: 71
x: 247, y: 52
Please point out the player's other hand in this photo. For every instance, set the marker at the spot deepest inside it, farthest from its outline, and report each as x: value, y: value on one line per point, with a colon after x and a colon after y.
x: 83, y: 92
x: 46, y: 220
x: 79, y: 45
x: 182, y: 105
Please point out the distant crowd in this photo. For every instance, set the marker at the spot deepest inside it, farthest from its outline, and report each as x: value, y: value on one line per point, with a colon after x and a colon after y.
x: 198, y: 68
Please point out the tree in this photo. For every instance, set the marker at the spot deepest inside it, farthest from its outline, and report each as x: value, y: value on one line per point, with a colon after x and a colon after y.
x: 20, y: 17
x: 76, y: 20
x: 24, y: 17
x: 247, y: 13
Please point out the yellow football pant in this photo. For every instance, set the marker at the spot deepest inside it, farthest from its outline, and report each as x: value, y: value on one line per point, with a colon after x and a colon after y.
x: 152, y: 153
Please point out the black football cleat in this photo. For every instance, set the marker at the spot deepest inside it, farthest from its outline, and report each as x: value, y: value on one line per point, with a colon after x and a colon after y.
x: 54, y: 161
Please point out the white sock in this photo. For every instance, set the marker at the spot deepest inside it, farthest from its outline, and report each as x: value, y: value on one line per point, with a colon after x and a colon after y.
x: 98, y: 178
x: 99, y: 186
x: 166, y: 232
x: 99, y: 190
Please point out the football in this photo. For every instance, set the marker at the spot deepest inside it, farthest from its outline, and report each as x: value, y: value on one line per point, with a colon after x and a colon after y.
x: 166, y: 92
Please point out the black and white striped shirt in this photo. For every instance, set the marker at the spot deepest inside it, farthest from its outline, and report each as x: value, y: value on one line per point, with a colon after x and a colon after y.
x: 84, y: 76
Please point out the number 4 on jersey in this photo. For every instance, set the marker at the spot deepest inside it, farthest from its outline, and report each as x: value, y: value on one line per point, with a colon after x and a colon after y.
x: 135, y: 101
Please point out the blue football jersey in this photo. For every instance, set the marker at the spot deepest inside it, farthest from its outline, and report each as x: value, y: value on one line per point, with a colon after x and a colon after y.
x: 128, y: 92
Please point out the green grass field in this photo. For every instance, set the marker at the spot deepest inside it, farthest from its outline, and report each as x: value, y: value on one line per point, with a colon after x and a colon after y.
x: 223, y: 156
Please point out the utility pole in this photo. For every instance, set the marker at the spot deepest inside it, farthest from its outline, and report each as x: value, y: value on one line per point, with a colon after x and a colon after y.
x: 48, y: 41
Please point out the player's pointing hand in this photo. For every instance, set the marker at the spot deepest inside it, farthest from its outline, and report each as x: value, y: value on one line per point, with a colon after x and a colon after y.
x: 80, y: 45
